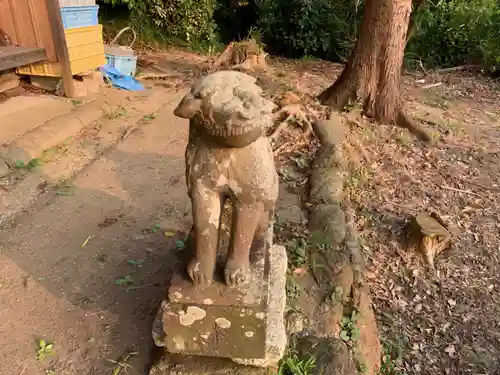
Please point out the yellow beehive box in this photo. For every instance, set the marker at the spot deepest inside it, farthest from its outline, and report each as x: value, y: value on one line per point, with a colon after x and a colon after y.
x: 85, y: 49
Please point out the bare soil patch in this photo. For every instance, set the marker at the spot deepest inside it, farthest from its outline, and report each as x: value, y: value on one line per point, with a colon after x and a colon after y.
x: 445, y: 322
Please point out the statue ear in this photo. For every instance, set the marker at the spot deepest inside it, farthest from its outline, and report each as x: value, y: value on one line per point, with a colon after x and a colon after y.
x: 188, y: 107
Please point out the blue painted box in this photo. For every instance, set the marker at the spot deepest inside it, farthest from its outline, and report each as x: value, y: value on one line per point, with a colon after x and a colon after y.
x: 80, y: 16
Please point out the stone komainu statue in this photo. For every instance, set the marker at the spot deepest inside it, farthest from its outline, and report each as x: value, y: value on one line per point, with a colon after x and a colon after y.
x: 228, y: 156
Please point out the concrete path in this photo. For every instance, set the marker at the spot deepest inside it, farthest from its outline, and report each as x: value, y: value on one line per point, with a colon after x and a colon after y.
x: 85, y: 268
x: 23, y: 113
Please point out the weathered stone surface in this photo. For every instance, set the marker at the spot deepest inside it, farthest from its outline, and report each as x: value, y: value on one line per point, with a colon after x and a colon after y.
x: 227, y: 158
x: 217, y: 292
x: 214, y: 330
x: 330, y: 313
x: 4, y: 168
x: 8, y: 81
x: 250, y: 332
x: 328, y: 219
x: 169, y: 364
x: 276, y: 337
x: 327, y: 176
x: 294, y: 322
x: 183, y: 291
x: 289, y: 207
x: 330, y: 132
x: 93, y: 81
x: 45, y: 83
x: 331, y: 354
x: 342, y: 268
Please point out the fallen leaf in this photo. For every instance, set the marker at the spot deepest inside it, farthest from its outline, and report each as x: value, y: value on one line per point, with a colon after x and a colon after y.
x: 450, y: 350
x: 418, y: 308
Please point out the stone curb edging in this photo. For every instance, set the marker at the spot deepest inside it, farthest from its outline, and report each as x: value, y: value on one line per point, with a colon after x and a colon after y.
x: 27, y: 192
x: 330, y: 216
x: 55, y: 131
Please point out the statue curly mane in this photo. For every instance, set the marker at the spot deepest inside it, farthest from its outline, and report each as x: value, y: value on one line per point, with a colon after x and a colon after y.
x: 232, y: 105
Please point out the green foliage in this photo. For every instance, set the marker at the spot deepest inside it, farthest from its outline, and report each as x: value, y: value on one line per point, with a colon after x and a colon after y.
x: 297, y: 252
x: 293, y: 365
x: 449, y: 32
x: 44, y: 349
x: 131, y: 4
x: 32, y: 164
x: 188, y: 22
x: 454, y: 32
x: 349, y: 333
x: 322, y: 28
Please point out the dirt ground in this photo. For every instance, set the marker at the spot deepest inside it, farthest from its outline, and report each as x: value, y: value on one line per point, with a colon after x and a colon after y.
x: 85, y: 268
x: 447, y: 322
x: 65, y: 262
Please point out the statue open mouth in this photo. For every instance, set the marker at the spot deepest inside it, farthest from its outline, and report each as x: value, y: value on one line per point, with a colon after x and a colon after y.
x: 235, y: 136
x: 227, y: 107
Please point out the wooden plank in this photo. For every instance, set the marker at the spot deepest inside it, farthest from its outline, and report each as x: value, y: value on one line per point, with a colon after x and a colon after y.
x: 59, y: 40
x: 14, y: 57
x: 27, y: 23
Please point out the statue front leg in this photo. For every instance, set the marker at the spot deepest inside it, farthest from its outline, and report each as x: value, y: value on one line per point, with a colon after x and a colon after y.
x: 245, y: 222
x: 206, y: 206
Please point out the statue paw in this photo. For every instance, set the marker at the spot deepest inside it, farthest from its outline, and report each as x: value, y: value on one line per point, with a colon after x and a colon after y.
x: 237, y: 272
x: 198, y: 273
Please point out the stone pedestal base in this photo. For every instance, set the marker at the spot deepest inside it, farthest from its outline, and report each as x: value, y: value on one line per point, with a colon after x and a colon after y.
x: 245, y: 325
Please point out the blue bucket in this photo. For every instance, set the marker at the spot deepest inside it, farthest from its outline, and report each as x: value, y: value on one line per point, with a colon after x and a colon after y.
x: 122, y: 58
x: 126, y: 64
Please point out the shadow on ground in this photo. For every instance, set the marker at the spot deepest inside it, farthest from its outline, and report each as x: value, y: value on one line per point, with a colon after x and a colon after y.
x: 106, y: 244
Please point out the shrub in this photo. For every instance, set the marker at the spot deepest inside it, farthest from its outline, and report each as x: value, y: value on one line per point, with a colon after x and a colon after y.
x: 321, y: 28
x: 454, y: 32
x: 450, y: 32
x: 235, y: 19
x: 186, y: 21
x: 190, y: 21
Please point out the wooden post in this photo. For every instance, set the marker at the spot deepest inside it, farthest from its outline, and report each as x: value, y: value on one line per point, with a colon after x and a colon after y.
x: 59, y: 39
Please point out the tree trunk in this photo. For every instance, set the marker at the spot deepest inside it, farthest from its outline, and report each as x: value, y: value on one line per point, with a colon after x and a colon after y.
x: 373, y: 72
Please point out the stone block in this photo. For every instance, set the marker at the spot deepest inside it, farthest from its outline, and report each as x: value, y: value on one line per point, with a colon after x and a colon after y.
x: 45, y: 83
x: 243, y: 324
x: 9, y: 81
x: 93, y: 81
x: 215, y: 330
x: 175, y: 364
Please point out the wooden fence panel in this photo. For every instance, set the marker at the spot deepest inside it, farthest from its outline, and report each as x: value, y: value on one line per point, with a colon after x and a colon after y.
x: 27, y: 23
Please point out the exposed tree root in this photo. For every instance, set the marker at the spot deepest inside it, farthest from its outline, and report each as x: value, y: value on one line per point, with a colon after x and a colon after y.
x: 338, y: 97
x: 404, y: 121
x: 293, y: 113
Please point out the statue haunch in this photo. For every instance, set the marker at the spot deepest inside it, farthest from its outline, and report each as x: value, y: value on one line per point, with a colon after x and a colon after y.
x: 227, y: 156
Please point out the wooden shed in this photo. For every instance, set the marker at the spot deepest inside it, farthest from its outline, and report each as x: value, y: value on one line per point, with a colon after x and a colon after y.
x: 36, y: 33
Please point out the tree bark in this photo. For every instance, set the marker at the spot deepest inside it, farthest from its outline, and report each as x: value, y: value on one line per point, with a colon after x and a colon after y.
x: 372, y: 75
